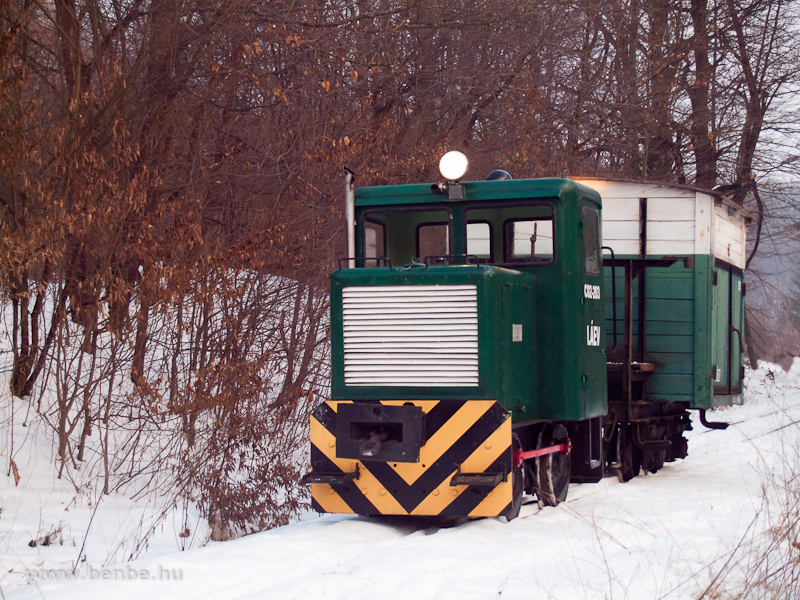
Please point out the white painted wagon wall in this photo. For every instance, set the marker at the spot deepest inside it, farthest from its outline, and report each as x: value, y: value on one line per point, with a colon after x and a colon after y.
x: 704, y: 222
x: 680, y: 221
x: 729, y: 235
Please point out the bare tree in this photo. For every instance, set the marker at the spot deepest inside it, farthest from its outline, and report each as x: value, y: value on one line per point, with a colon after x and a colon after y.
x: 169, y: 175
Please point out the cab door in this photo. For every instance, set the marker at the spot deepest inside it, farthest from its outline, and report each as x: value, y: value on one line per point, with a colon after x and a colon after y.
x: 727, y: 316
x: 593, y: 360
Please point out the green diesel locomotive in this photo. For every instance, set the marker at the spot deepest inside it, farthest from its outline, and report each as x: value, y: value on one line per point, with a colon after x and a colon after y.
x: 485, y: 342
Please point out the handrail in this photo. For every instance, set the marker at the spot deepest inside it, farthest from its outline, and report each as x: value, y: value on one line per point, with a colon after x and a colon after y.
x: 613, y: 294
x: 739, y: 333
x: 450, y: 257
x: 357, y: 259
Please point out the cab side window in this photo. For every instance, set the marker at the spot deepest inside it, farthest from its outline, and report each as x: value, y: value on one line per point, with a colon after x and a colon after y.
x: 374, y: 245
x: 591, y: 241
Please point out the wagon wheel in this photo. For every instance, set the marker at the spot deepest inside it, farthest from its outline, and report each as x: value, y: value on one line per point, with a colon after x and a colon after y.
x: 679, y: 448
x: 517, y: 481
x: 653, y: 460
x: 630, y: 456
x: 553, y: 470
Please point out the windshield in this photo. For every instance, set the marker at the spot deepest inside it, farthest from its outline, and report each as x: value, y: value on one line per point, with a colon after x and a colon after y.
x: 407, y: 235
x: 514, y: 233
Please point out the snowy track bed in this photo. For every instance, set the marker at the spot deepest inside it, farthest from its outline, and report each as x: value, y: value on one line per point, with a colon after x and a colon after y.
x: 657, y: 536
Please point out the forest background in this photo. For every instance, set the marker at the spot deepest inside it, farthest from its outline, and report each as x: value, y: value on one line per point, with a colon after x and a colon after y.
x: 171, y: 183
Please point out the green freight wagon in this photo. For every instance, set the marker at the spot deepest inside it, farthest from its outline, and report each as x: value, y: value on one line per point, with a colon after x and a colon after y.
x: 686, y: 348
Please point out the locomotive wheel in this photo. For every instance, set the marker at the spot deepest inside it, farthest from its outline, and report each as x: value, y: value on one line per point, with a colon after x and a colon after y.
x: 517, y: 482
x: 553, y: 470
x: 630, y: 456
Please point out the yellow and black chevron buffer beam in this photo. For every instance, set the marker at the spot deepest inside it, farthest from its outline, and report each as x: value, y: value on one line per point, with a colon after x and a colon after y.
x: 398, y: 457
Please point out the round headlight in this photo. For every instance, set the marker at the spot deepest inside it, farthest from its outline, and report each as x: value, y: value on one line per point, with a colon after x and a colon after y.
x: 453, y: 165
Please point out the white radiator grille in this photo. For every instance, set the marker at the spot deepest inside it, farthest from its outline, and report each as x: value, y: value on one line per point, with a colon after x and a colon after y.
x: 411, y: 335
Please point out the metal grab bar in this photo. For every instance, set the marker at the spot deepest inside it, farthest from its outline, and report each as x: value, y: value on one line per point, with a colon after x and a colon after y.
x: 386, y: 262
x: 613, y: 295
x: 739, y: 333
x: 449, y: 258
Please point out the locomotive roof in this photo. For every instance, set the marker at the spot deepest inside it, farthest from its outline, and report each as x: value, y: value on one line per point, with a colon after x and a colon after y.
x: 422, y: 193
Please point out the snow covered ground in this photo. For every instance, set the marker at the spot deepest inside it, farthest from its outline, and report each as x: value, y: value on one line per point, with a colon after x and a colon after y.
x: 659, y: 536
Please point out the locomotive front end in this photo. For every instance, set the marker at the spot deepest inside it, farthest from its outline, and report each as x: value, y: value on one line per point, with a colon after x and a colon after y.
x: 374, y: 459
x: 414, y: 428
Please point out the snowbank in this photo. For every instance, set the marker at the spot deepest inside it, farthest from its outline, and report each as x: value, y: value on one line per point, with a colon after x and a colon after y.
x: 666, y: 535
x: 61, y: 524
